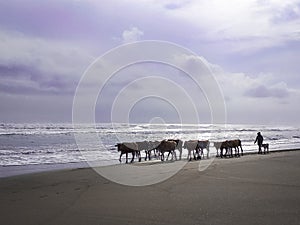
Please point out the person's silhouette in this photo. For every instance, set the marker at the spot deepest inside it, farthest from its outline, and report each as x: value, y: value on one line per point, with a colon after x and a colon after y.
x: 259, y: 139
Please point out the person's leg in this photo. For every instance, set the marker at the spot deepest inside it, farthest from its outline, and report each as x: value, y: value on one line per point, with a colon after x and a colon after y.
x: 259, y: 149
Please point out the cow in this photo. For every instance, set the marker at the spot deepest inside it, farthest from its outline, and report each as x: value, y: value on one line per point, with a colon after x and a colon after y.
x: 228, y: 145
x: 126, y: 148
x: 147, y: 146
x: 204, y: 145
x: 179, y: 144
x: 191, y: 146
x: 236, y: 144
x: 217, y: 145
x: 167, y: 146
x: 153, y: 147
x: 225, y: 145
x: 143, y: 145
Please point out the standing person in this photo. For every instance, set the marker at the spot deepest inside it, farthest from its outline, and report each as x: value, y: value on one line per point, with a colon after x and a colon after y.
x: 259, y: 139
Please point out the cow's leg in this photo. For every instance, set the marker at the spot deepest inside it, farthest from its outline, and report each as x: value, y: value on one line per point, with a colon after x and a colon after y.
x: 241, y: 150
x: 168, y: 155
x: 120, y: 157
x: 194, y: 153
x: 226, y: 153
x: 189, y: 157
x: 180, y: 153
x: 126, y: 157
x: 133, y: 154
x: 190, y: 154
x: 207, y: 155
x: 173, y: 153
x: 200, y: 153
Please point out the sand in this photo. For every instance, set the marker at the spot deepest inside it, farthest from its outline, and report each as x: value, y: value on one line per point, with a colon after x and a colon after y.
x: 253, y: 189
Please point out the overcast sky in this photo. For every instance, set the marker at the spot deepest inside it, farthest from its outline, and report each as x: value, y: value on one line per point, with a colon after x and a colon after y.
x: 251, y: 47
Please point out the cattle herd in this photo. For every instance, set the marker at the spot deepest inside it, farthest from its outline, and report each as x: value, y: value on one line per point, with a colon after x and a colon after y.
x: 158, y: 149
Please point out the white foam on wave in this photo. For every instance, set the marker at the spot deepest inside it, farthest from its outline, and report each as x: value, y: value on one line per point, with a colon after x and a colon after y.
x: 24, y: 144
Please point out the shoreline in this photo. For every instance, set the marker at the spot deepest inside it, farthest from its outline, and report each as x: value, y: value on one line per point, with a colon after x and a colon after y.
x: 19, y: 170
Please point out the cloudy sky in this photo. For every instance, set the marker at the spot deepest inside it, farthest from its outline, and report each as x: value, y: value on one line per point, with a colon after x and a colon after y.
x: 251, y: 47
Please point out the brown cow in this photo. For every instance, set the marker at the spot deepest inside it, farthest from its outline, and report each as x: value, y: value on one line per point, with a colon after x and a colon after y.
x: 126, y: 148
x: 224, y: 145
x: 235, y: 144
x: 178, y: 146
x: 167, y: 146
x: 228, y: 145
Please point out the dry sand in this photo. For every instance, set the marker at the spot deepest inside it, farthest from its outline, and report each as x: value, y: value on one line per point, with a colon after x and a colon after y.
x: 253, y: 189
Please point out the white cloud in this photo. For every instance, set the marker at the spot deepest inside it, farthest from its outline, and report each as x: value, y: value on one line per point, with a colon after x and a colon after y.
x: 132, y: 35
x: 245, y: 25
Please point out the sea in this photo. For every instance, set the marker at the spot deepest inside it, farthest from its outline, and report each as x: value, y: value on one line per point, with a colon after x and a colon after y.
x: 27, y: 148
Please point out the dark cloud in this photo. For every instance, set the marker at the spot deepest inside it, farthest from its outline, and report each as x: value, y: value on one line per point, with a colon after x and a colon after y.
x: 21, y: 79
x: 262, y: 91
x: 57, y: 18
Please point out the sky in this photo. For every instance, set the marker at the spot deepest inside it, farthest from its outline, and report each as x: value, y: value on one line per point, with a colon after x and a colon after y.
x: 252, y: 49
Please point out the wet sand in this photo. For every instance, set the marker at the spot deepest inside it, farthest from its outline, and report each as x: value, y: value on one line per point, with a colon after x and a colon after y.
x: 253, y: 189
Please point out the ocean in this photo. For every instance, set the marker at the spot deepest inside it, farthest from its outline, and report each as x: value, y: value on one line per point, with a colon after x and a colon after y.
x: 36, y: 147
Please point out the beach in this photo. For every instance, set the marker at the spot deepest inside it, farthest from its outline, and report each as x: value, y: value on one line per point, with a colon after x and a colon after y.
x: 253, y: 189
